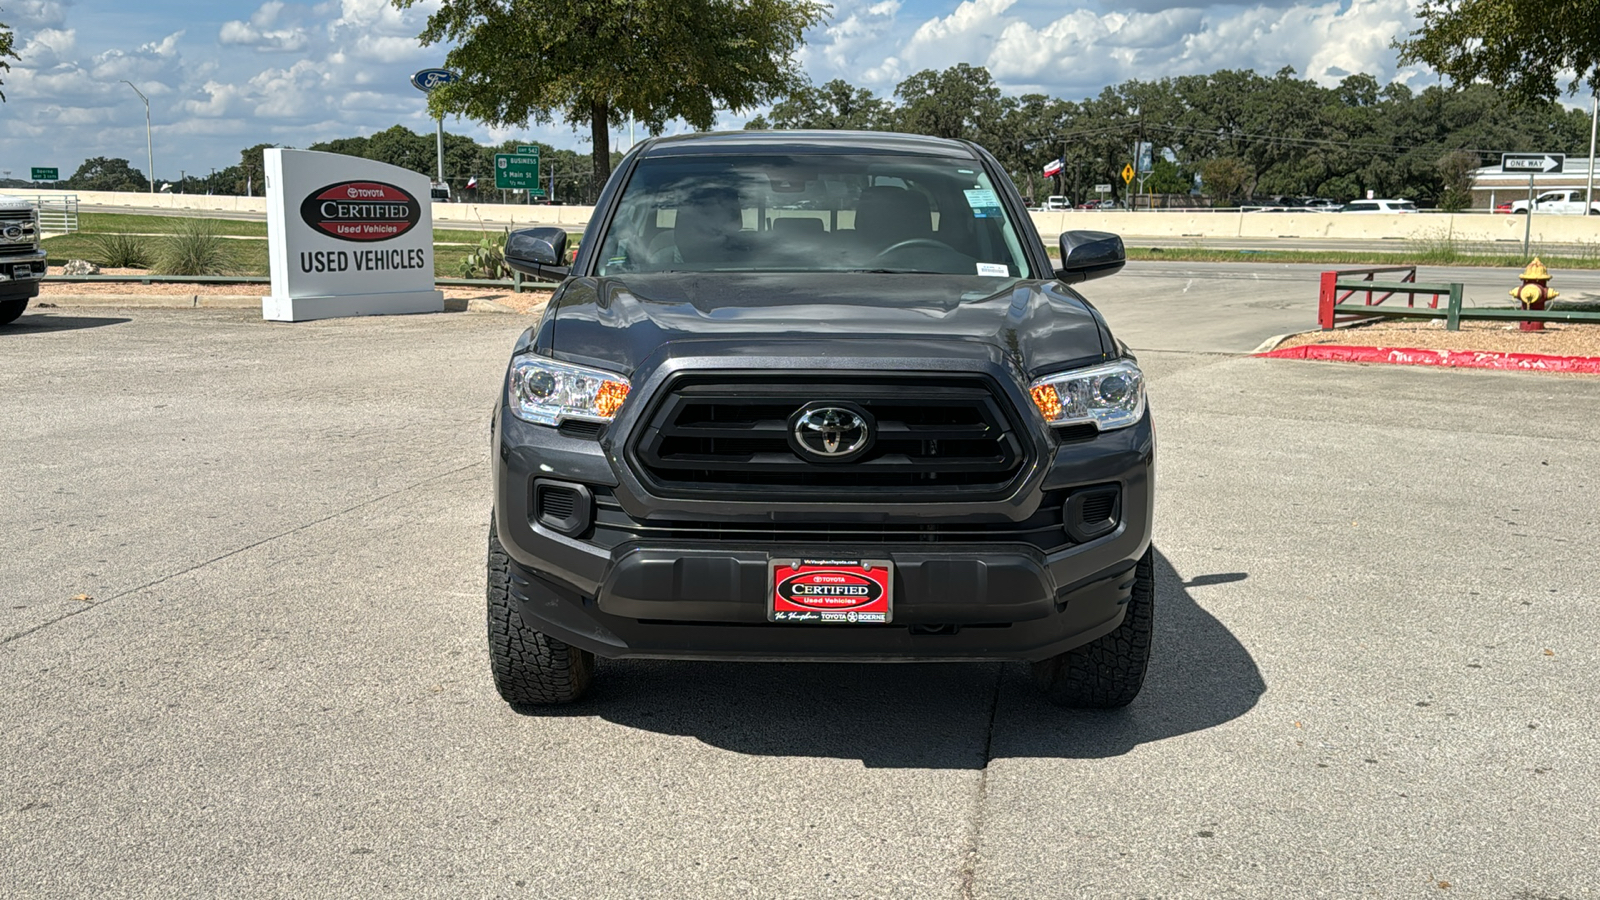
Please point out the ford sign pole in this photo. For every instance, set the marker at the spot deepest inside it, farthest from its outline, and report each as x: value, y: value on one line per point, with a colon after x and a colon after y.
x: 425, y: 81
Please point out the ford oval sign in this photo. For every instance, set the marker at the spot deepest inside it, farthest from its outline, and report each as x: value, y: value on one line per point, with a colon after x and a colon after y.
x: 428, y: 79
x: 361, y: 211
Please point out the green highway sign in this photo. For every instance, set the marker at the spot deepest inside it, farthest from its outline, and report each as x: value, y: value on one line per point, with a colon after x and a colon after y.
x: 46, y: 174
x: 518, y: 171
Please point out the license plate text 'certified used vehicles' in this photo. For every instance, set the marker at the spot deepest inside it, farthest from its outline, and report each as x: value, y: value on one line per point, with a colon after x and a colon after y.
x: 819, y: 396
x: 836, y: 591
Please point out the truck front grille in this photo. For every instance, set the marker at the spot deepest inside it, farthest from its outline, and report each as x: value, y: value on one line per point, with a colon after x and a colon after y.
x: 937, y: 438
x: 19, y: 232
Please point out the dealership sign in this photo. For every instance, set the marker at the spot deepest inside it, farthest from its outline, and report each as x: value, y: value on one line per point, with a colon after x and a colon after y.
x: 428, y: 79
x: 346, y: 237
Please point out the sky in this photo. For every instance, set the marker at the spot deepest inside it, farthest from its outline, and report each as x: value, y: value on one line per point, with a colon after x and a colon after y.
x: 223, y: 75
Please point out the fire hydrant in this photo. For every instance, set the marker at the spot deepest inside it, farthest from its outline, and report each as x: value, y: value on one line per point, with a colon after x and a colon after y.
x: 1535, y: 291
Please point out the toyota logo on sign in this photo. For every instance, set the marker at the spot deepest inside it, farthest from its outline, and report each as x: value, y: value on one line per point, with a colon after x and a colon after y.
x: 831, y: 432
x: 361, y: 210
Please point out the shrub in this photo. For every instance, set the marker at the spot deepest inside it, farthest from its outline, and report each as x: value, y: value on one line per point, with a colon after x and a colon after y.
x: 196, y: 248
x: 121, y: 251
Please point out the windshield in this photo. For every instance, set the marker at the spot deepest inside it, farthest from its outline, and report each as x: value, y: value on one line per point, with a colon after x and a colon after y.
x: 822, y: 213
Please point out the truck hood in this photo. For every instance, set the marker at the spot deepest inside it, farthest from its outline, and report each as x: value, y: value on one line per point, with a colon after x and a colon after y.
x: 619, y: 321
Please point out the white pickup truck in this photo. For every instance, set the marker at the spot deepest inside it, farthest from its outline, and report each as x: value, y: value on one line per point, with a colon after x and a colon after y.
x: 1564, y: 202
x: 22, y: 262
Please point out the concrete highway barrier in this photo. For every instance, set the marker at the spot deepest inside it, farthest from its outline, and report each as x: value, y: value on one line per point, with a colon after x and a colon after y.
x: 1169, y: 224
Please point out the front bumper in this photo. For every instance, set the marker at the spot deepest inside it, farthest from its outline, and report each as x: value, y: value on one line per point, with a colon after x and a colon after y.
x: 706, y: 599
x: 20, y: 273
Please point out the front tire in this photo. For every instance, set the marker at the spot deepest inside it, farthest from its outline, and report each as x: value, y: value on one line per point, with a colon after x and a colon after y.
x: 1108, y: 672
x: 530, y: 668
x: 11, y: 310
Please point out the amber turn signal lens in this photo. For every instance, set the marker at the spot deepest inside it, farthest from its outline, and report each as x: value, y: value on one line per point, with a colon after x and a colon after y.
x: 608, y: 399
x: 1048, y: 401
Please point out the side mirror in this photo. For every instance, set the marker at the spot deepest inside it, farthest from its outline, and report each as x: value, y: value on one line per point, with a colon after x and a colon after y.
x: 1090, y: 254
x: 538, y: 252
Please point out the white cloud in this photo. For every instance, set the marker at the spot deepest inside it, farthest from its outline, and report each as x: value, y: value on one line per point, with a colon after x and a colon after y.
x: 27, y: 15
x: 319, y: 69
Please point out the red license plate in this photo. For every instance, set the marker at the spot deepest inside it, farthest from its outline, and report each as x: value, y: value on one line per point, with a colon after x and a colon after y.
x: 831, y: 591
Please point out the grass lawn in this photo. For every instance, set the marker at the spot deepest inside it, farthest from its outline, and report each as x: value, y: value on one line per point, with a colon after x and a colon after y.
x: 246, y: 241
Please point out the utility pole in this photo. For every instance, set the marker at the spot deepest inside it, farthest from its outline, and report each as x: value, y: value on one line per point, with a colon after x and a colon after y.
x: 441, y: 149
x: 149, y: 147
x: 1594, y: 125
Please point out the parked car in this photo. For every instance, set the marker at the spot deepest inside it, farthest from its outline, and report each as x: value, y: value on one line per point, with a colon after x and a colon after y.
x: 1564, y: 202
x: 1056, y: 203
x: 1380, y: 206
x: 22, y: 262
x: 855, y: 437
x: 1098, y: 204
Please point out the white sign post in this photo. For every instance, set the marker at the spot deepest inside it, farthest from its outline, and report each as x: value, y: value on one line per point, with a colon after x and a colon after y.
x: 347, y: 237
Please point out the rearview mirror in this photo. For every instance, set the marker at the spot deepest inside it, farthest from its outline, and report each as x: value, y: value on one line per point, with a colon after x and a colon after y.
x: 540, y: 252
x: 1090, y: 254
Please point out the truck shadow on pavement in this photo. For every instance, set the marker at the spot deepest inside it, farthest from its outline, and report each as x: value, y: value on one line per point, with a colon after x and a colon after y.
x: 935, y: 715
x: 43, y: 323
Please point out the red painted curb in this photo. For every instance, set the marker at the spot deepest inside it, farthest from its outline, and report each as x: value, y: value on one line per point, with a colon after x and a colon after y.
x: 1462, y: 359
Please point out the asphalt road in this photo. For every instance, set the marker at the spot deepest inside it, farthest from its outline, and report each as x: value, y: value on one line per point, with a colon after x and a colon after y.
x: 241, y: 632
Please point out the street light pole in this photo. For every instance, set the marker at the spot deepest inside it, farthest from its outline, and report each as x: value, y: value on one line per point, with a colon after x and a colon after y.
x: 1594, y: 126
x: 149, y: 148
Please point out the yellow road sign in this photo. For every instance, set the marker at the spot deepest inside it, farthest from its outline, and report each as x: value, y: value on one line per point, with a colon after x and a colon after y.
x: 1127, y: 174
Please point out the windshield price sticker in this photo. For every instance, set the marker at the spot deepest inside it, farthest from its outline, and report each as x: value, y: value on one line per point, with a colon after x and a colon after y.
x: 831, y: 591
x: 994, y: 269
x: 985, y: 204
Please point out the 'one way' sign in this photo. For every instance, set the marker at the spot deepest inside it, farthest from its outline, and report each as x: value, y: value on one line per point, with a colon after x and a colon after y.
x: 1534, y: 163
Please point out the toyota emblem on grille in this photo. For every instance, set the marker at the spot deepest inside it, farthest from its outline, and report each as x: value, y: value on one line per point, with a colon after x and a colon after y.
x: 830, y: 432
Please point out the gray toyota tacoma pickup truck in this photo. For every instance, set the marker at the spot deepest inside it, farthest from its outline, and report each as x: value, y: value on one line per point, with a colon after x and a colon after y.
x: 819, y: 396
x: 22, y: 262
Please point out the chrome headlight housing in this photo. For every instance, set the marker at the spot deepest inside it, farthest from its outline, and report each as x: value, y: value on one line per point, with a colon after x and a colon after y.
x: 547, y: 392
x: 1109, y: 396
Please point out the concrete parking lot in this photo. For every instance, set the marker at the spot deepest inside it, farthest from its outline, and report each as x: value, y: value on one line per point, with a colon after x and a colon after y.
x: 241, y: 636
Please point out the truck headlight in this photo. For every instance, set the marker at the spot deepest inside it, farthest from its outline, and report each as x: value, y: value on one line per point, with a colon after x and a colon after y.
x: 545, y: 392
x: 1109, y: 396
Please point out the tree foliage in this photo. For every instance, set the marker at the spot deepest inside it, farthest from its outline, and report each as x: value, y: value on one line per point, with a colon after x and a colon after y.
x: 107, y: 174
x: 1525, y: 46
x: 1287, y: 135
x: 7, y: 37
x: 599, y: 62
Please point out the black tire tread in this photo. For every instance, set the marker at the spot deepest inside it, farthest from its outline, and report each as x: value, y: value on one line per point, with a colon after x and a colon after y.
x: 530, y: 668
x: 11, y: 310
x: 1108, y: 672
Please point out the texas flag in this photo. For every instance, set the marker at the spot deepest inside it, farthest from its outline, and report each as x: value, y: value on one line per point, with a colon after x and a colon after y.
x: 472, y: 183
x: 1054, y: 166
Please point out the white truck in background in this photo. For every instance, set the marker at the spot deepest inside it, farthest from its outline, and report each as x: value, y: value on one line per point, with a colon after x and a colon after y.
x: 22, y: 262
x: 1562, y: 202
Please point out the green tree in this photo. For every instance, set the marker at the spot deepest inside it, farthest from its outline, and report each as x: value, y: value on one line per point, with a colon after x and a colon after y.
x: 835, y: 106
x: 1455, y: 171
x: 598, y: 62
x: 104, y: 174
x: 252, y: 177
x: 1167, y: 178
x: 6, y: 39
x: 956, y: 103
x: 1227, y: 180
x: 1525, y: 46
